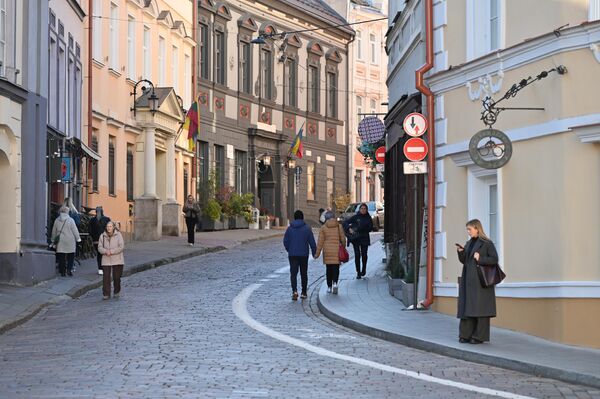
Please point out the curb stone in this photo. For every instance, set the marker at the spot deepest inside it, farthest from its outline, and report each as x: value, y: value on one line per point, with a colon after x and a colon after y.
x: 77, y: 292
x: 490, y: 360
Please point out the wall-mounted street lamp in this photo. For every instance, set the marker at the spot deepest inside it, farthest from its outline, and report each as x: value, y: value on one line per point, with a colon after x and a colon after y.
x: 181, y: 107
x: 152, y: 97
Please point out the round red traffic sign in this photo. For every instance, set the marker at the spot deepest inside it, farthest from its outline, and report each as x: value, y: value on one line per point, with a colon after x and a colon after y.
x: 415, y: 124
x: 415, y: 149
x: 380, y: 154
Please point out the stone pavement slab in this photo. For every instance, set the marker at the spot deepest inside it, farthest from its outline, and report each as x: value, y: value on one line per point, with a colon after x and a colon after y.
x: 366, y: 306
x: 19, y: 304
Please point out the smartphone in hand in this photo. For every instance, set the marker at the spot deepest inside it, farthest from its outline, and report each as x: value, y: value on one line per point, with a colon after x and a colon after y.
x: 459, y: 246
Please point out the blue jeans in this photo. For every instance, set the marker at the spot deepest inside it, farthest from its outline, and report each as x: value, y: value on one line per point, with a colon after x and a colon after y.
x: 299, y: 262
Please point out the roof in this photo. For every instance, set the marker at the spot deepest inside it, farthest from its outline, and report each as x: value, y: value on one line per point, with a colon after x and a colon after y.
x: 161, y: 92
x: 322, y: 10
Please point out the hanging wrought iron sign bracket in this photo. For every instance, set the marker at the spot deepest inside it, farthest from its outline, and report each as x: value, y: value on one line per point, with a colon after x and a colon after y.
x: 497, y: 149
x: 490, y: 112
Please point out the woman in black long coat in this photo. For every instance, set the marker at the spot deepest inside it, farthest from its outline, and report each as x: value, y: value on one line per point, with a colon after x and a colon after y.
x: 476, y: 304
x: 358, y: 228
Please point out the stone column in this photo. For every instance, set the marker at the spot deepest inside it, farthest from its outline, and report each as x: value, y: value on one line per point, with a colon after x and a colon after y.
x: 150, y: 163
x: 171, y: 210
x: 171, y: 169
x: 148, y: 209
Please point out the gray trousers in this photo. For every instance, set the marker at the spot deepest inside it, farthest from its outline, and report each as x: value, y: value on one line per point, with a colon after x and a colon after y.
x: 475, y: 327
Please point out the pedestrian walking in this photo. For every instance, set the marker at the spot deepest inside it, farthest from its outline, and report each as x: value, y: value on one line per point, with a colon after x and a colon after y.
x: 476, y: 304
x: 298, y: 239
x: 191, y: 210
x: 358, y: 228
x: 65, y: 237
x: 321, y: 216
x: 111, y: 246
x: 97, y: 226
x: 331, y: 236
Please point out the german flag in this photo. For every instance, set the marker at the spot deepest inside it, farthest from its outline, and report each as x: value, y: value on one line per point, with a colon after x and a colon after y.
x: 296, y: 149
x: 192, y: 125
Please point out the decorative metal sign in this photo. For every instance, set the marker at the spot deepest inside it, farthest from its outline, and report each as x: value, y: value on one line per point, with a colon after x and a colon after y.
x: 490, y: 148
x: 371, y: 129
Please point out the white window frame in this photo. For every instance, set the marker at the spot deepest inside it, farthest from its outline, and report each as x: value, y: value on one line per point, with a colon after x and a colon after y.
x: 131, y: 56
x: 147, y: 52
x: 175, y: 67
x: 594, y: 13
x: 479, y: 182
x: 359, y: 109
x: 373, y: 106
x: 187, y: 81
x: 97, y: 31
x: 479, y: 27
x: 3, y: 35
x: 161, y: 61
x: 373, y: 47
x: 114, y: 37
x: 359, y: 45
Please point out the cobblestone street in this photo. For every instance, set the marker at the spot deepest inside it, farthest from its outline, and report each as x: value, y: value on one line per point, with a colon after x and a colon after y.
x: 173, y: 333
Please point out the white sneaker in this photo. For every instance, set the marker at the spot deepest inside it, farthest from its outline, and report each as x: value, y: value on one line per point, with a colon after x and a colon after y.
x: 335, y: 288
x: 329, y: 290
x: 191, y: 244
x: 100, y: 272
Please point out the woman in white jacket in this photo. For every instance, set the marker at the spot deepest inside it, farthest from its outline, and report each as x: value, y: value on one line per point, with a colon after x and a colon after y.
x: 65, y: 237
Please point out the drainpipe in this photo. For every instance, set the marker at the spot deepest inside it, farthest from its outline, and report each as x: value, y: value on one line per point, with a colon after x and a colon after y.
x: 431, y: 159
x: 349, y: 133
x: 89, y: 99
x: 194, y: 88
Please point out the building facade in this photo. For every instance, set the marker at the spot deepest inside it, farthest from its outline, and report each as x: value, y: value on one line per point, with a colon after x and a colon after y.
x: 66, y: 154
x: 539, y: 208
x: 144, y: 166
x: 368, y: 64
x: 254, y: 98
x: 23, y: 101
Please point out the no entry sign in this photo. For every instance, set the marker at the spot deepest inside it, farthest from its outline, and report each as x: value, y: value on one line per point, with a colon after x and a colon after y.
x: 415, y: 149
x: 380, y: 154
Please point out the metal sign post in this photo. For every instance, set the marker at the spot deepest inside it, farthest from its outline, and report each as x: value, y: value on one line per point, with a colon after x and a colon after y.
x: 415, y: 150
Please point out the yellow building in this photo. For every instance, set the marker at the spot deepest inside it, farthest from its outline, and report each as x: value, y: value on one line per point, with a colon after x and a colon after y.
x: 541, y: 209
x: 143, y: 171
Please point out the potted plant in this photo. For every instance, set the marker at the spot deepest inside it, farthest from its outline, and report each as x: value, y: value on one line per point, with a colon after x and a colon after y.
x: 211, y: 216
x: 241, y: 210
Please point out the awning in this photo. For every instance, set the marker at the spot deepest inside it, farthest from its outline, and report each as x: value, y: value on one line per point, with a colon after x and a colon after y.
x: 85, y: 151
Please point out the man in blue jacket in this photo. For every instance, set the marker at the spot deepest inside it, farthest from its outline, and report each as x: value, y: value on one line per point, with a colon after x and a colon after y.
x: 297, y: 240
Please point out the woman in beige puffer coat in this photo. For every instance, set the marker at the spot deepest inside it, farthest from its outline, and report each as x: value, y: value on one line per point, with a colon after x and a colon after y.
x: 331, y: 236
x: 111, y: 246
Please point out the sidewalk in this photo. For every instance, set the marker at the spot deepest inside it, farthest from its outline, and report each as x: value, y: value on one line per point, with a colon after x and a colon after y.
x: 19, y: 304
x: 366, y: 306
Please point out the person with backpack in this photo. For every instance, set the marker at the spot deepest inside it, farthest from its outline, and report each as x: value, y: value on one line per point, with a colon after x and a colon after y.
x: 97, y: 226
x: 65, y: 237
x: 331, y: 236
x: 298, y: 239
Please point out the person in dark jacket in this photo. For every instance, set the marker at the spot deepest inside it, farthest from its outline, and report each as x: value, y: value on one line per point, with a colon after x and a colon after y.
x: 97, y: 227
x: 298, y: 239
x: 358, y: 228
x: 476, y: 305
x: 191, y: 211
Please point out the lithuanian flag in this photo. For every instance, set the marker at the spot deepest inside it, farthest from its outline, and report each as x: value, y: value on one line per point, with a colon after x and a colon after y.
x: 296, y: 148
x: 192, y: 124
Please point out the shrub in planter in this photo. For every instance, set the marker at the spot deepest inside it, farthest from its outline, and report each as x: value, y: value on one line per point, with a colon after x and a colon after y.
x: 212, y: 210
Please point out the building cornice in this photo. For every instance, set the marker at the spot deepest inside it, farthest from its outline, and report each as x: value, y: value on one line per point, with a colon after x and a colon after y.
x: 527, y: 52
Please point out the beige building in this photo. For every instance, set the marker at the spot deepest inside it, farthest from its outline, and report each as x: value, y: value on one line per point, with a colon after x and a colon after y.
x: 541, y: 209
x: 368, y: 64
x: 145, y: 167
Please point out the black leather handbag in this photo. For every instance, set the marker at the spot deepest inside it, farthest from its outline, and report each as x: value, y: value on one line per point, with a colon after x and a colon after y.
x: 489, y: 276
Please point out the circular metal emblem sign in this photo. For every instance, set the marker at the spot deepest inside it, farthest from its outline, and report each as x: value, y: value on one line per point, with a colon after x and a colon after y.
x: 371, y: 129
x: 490, y: 149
